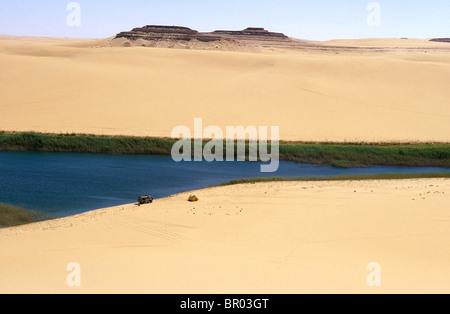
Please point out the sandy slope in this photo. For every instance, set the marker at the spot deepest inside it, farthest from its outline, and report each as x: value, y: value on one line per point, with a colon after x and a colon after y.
x: 263, y: 238
x: 59, y: 85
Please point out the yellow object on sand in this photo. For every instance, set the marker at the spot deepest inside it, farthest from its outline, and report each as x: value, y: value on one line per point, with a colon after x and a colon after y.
x: 193, y: 198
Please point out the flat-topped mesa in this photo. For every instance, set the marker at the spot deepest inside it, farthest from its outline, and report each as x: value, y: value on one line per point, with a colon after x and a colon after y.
x: 252, y: 33
x: 184, y: 37
x: 160, y: 32
x: 165, y: 29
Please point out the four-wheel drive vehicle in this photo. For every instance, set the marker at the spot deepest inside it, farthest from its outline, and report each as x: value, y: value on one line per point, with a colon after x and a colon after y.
x: 146, y: 199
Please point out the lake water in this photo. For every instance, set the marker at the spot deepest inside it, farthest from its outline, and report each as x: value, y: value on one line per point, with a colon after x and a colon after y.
x: 62, y: 184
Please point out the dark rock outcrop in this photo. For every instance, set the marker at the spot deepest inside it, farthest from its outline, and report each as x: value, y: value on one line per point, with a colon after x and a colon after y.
x: 157, y: 32
x: 252, y: 33
x: 178, y: 33
x: 441, y: 40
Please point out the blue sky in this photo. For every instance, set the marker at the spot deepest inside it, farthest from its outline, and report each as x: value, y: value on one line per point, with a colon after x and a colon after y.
x: 312, y: 19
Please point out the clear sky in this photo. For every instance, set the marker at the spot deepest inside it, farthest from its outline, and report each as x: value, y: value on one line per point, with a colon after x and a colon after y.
x: 307, y: 19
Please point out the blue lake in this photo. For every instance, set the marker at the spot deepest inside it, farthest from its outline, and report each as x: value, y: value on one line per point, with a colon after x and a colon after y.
x: 62, y: 184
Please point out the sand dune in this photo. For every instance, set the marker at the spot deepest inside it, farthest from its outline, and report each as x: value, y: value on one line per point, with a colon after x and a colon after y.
x: 263, y: 238
x: 51, y: 85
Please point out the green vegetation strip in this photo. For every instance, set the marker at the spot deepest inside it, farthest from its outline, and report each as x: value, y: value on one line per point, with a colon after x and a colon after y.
x: 337, y: 155
x: 387, y: 176
x: 14, y: 216
x: 38, y: 142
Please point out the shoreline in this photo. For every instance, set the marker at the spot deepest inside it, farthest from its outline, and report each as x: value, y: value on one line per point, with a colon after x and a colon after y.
x: 286, y: 142
x: 339, y: 155
x: 247, y: 183
x: 252, y: 181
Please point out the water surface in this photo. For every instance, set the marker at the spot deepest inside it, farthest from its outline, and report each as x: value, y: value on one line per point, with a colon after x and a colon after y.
x: 61, y: 184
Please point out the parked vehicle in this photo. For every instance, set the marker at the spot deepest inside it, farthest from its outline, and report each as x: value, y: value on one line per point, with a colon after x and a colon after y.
x: 146, y: 199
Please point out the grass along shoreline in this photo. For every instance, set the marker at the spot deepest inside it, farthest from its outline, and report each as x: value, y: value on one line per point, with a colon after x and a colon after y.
x: 11, y: 216
x: 341, y: 155
x: 384, y: 176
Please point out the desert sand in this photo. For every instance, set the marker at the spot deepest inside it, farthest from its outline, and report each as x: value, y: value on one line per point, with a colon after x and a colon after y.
x: 311, y: 237
x: 333, y: 91
x: 298, y: 237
